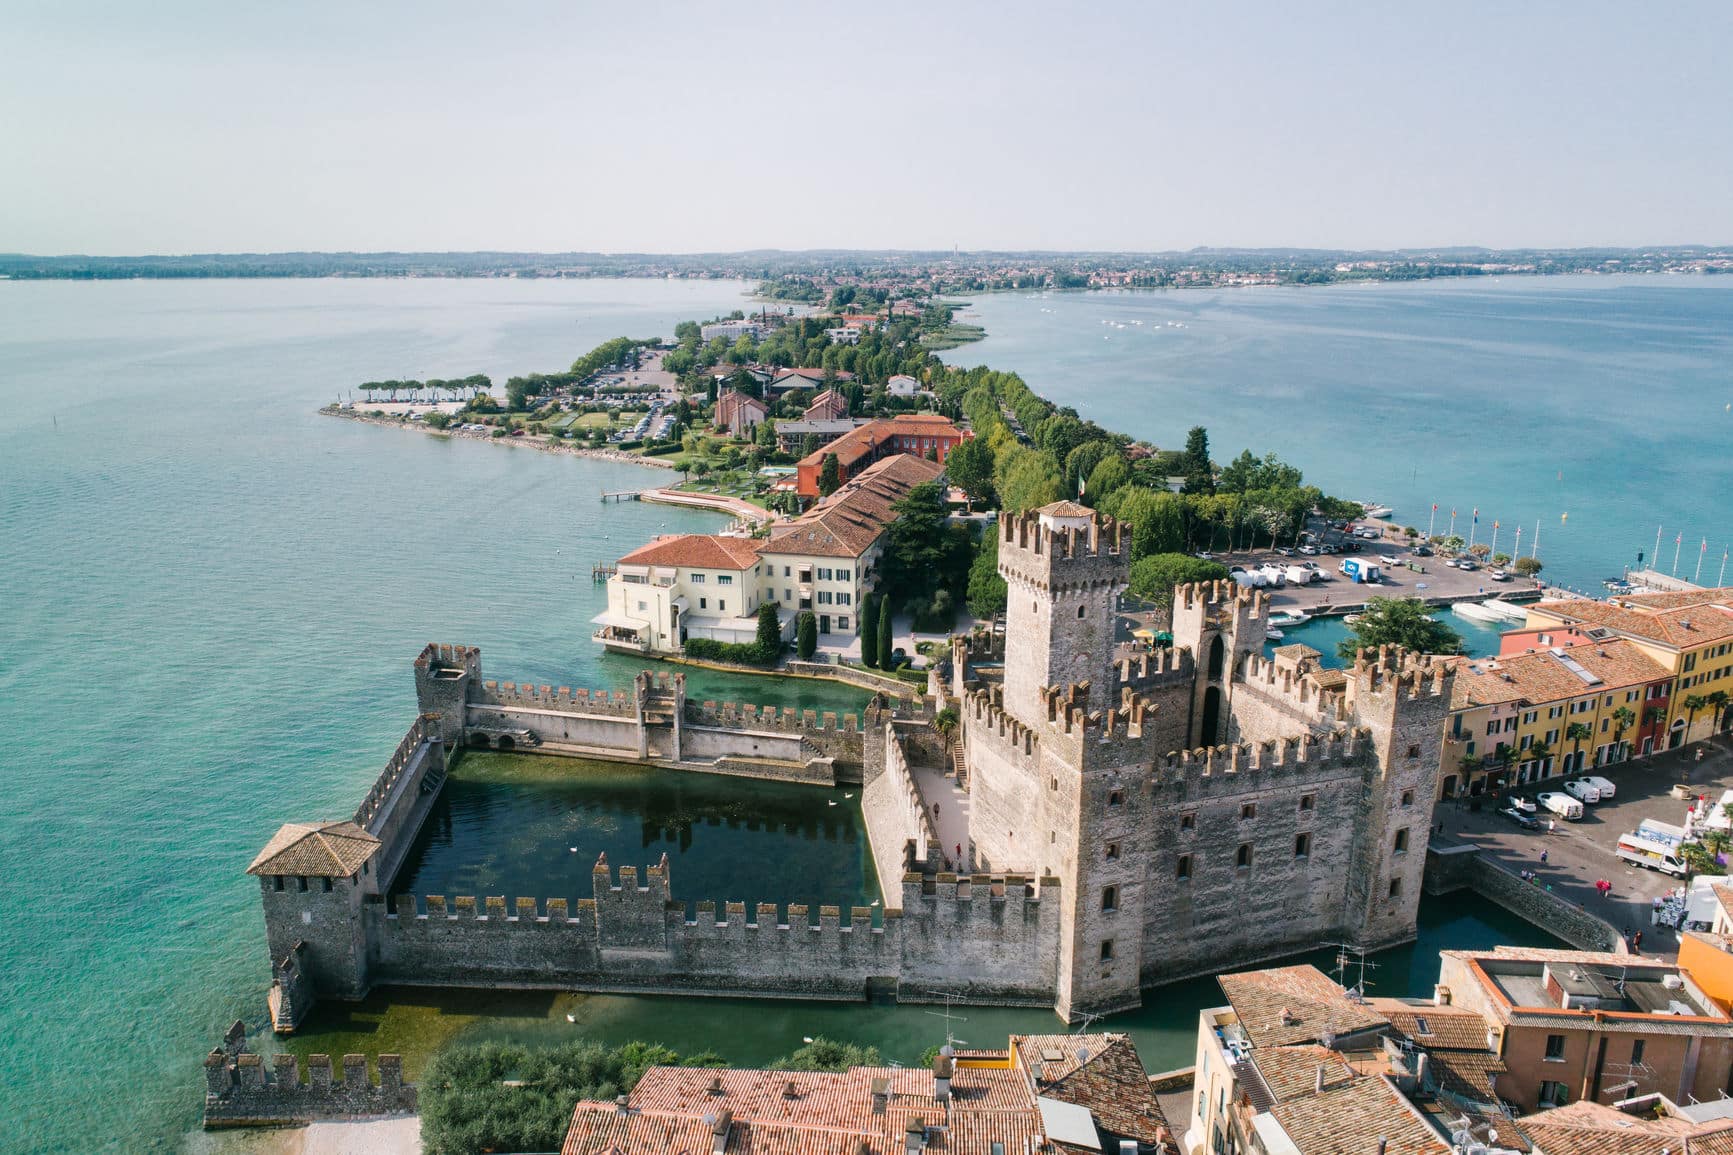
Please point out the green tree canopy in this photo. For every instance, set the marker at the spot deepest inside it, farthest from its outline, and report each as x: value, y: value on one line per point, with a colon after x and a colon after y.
x: 1154, y: 577
x: 829, y: 475
x: 987, y: 590
x: 824, y: 1054
x: 1405, y: 622
x: 1197, y: 450
x: 969, y: 465
x: 507, y: 1097
x: 869, y: 632
x: 922, y: 553
x: 1111, y: 474
x: 806, y: 635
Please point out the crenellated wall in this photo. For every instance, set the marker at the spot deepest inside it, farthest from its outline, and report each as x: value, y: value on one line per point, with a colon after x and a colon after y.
x: 242, y: 1091
x: 984, y: 939
x: 898, y: 824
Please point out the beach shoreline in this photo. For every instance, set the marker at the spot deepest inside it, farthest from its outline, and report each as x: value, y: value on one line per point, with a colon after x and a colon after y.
x: 527, y: 440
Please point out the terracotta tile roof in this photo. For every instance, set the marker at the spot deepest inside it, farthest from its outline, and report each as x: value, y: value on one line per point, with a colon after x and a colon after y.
x: 853, y: 446
x: 1099, y: 1072
x: 1543, y: 676
x: 1066, y: 509
x: 1351, y: 1118
x: 1297, y: 1004
x: 1290, y: 1072
x: 1432, y: 1027
x: 1469, y: 1074
x: 809, y: 1113
x: 316, y: 850
x: 696, y: 551
x: 849, y: 521
x: 829, y: 404
x: 1718, y: 595
x: 1588, y: 1128
x: 1681, y: 627
x: 806, y: 378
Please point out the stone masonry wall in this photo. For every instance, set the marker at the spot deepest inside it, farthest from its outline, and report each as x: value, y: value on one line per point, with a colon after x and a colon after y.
x: 240, y: 1091
x: 985, y: 938
x: 895, y: 818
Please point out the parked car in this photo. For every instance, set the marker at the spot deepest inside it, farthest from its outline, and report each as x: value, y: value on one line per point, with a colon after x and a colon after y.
x: 1563, y: 805
x: 1580, y: 789
x: 1606, y: 788
x: 1309, y: 550
x: 1422, y: 551
x: 1467, y: 564
x: 1522, y: 818
x: 1284, y: 551
x: 1524, y: 804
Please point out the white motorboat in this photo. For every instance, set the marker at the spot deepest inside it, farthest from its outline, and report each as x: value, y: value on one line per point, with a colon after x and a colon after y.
x: 1475, y: 612
x: 1373, y: 509
x: 1274, y: 634
x: 1508, y: 611
x: 1282, y: 619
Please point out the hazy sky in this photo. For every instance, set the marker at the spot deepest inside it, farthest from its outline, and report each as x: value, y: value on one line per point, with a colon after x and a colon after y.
x: 239, y: 125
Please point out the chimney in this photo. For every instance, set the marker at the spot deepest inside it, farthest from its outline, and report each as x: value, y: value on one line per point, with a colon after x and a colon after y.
x: 1440, y: 995
x: 719, y: 1132
x: 1383, y: 1144
x: 942, y: 1066
x: 881, y: 1094
x: 620, y: 1107
x: 915, y: 1137
x: 1318, y: 1080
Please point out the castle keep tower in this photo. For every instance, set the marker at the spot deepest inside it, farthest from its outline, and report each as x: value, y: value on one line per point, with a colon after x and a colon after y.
x: 1220, y: 623
x: 1065, y: 572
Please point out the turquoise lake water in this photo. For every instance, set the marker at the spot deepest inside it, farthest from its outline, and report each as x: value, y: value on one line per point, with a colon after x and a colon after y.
x: 1602, y: 398
x: 213, y: 595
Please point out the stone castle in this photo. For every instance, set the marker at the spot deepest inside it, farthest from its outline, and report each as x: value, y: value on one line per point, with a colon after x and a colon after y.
x: 1134, y: 819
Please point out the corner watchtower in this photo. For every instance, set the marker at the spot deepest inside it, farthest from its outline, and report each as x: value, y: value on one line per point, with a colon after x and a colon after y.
x: 444, y: 676
x: 1065, y: 568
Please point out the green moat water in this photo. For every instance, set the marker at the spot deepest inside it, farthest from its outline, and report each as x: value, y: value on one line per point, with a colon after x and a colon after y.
x: 525, y: 826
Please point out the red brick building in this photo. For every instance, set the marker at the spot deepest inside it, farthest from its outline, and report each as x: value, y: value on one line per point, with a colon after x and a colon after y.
x: 916, y: 433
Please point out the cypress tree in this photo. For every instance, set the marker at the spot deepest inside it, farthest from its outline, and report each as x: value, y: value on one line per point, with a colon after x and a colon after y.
x: 887, y: 659
x: 806, y: 635
x: 869, y: 633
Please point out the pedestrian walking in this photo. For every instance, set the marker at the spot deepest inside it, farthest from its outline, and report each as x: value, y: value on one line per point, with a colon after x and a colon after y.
x: 1543, y: 858
x: 959, y: 852
x: 1549, y: 830
x: 935, y: 810
x: 1637, y: 941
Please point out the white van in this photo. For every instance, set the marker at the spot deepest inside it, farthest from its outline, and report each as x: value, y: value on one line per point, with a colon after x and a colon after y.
x: 1563, y: 805
x: 1634, y: 848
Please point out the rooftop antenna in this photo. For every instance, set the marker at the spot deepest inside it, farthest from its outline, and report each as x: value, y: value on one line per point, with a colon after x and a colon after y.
x: 1085, y: 1020
x: 1357, y: 992
x: 951, y: 1039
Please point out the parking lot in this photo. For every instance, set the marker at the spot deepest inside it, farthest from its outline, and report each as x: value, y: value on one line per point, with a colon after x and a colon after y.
x: 1579, y: 853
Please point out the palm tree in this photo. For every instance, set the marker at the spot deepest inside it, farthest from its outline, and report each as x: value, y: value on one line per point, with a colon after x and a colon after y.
x: 1693, y: 703
x: 1623, y: 719
x: 1718, y: 702
x: 1539, y: 752
x: 946, y: 721
x: 1577, y: 733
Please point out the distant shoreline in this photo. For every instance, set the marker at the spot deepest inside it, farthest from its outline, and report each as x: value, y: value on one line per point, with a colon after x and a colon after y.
x: 527, y: 440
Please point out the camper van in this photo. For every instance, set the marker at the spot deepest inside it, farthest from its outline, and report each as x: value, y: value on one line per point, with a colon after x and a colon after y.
x: 1563, y: 805
x: 1662, y: 856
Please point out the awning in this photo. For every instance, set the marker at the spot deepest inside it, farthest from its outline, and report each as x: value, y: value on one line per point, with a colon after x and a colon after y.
x: 618, y: 621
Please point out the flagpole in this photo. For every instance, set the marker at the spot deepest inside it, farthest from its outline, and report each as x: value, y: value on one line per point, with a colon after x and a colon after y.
x: 1495, y: 537
x: 1430, y: 520
x: 1696, y: 577
x: 1473, y: 528
x: 1677, y: 542
x: 1657, y: 554
x: 1534, y: 551
x: 1451, y: 532
x: 1722, y: 580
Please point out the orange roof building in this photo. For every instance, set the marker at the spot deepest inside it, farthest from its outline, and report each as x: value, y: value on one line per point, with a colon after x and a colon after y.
x: 913, y: 433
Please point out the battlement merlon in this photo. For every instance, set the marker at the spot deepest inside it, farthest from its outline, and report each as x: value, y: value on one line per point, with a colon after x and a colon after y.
x: 1238, y: 768
x: 1058, y: 558
x: 445, y: 675
x: 1412, y: 675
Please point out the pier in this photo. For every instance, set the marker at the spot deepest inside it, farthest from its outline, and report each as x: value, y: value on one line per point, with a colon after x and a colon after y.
x: 602, y: 571
x: 623, y: 495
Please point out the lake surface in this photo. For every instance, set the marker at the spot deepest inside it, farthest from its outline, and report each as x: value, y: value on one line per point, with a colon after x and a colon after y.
x: 1598, y: 408
x: 212, y: 595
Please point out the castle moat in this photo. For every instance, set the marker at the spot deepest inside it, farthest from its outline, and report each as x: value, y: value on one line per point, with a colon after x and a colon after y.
x: 529, y: 826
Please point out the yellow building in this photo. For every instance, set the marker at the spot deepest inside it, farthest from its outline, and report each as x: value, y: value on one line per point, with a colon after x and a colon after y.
x: 1552, y: 709
x: 1689, y: 633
